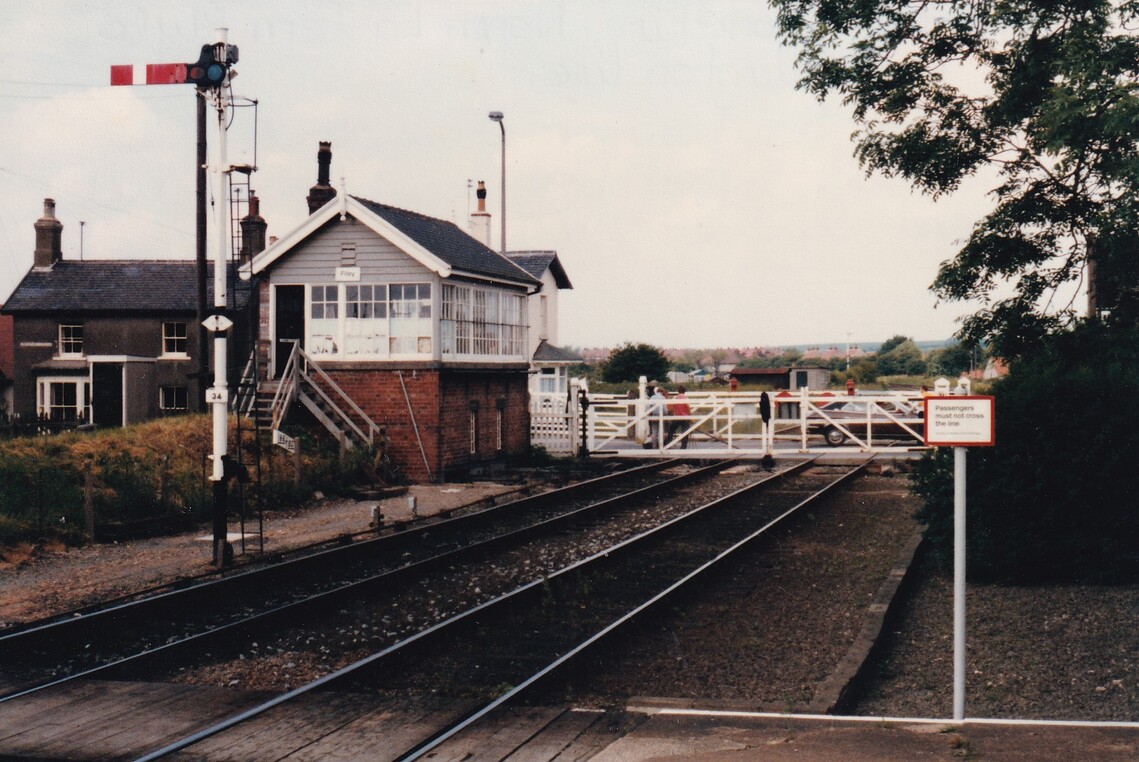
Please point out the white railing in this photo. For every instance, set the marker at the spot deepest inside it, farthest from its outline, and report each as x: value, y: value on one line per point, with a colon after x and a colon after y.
x: 323, y: 397
x: 802, y: 421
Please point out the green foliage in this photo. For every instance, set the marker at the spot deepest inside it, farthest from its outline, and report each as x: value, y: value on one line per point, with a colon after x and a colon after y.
x: 1043, y: 93
x: 152, y: 471
x: 951, y: 361
x: 631, y: 361
x: 1054, y: 500
x: 894, y: 341
x: 864, y: 370
x: 788, y: 358
x: 902, y: 359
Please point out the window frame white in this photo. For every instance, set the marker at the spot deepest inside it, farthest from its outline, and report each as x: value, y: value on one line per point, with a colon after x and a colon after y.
x: 174, y: 388
x: 167, y: 338
x: 82, y: 406
x: 403, y: 336
x: 70, y: 341
x: 480, y: 323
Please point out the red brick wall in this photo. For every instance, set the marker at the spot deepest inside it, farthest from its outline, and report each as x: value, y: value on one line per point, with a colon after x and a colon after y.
x: 441, y: 407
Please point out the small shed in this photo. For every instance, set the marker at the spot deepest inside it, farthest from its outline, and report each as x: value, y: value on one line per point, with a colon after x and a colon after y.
x: 795, y: 377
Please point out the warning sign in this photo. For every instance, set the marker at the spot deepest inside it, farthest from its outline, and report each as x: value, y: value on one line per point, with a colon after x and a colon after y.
x: 959, y: 421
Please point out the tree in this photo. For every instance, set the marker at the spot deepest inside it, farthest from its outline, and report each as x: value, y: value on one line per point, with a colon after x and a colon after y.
x: 631, y: 361
x: 950, y: 361
x: 1054, y: 500
x: 1043, y: 92
x: 904, y: 359
x: 889, y: 344
x: 786, y: 359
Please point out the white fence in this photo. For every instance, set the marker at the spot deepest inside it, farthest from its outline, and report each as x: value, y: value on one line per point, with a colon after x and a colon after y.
x: 731, y: 423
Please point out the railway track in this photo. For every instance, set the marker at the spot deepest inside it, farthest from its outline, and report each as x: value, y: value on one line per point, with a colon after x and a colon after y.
x: 551, y: 622
x: 171, y: 626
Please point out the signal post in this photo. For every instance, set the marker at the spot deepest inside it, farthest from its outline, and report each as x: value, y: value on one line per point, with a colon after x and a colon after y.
x: 211, y: 74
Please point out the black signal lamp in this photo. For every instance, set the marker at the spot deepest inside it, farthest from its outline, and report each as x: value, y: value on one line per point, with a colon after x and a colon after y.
x: 208, y: 72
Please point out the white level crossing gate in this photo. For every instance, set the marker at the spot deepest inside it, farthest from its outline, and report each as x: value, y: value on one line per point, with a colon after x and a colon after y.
x: 727, y: 423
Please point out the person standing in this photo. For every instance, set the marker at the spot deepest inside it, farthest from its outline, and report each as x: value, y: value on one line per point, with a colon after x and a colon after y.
x: 681, y: 414
x: 656, y: 411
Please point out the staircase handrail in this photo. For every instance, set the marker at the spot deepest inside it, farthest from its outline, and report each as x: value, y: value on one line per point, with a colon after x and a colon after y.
x: 311, y: 365
x: 246, y: 397
x: 286, y: 390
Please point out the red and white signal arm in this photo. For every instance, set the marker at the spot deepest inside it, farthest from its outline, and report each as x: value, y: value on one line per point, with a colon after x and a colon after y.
x: 965, y: 421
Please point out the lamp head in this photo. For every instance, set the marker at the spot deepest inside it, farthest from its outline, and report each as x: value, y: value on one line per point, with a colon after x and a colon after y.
x: 495, y: 116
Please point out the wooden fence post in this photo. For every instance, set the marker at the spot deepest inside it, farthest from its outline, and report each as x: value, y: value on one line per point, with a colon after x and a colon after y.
x: 89, y: 499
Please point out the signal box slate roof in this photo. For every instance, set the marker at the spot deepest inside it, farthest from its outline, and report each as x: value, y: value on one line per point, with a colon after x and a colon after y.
x: 438, y: 245
x: 117, y: 286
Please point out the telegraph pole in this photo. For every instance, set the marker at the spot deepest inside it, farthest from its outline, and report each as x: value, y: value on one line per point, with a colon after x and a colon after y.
x: 211, y: 74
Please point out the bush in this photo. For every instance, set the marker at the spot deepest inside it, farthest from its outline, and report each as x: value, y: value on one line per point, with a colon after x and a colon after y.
x: 153, y: 472
x: 1054, y: 500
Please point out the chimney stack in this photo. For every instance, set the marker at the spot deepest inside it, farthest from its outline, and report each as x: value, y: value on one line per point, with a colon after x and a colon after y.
x: 323, y: 192
x: 252, y: 230
x: 49, y: 237
x: 480, y: 220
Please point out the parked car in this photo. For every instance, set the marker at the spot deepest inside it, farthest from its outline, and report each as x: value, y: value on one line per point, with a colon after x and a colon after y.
x: 889, y: 419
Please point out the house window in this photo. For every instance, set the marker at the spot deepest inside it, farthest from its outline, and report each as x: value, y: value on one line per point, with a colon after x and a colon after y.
x: 64, y: 399
x: 483, y: 322
x: 175, y: 339
x: 552, y: 381
x: 174, y: 399
x: 70, y: 340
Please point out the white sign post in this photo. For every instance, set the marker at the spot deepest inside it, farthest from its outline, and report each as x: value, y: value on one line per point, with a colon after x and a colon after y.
x: 960, y: 421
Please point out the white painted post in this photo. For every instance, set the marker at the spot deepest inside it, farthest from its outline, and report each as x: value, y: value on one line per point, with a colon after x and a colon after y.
x: 958, y: 583
x: 959, y: 575
x: 642, y: 427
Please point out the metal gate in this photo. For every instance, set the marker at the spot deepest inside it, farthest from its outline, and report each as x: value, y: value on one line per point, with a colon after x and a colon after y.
x: 729, y: 423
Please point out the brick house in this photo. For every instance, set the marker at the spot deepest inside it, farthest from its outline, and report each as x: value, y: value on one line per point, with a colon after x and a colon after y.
x: 112, y: 342
x: 421, y: 325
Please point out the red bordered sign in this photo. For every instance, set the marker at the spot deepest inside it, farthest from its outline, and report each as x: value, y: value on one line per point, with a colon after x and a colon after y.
x: 965, y: 421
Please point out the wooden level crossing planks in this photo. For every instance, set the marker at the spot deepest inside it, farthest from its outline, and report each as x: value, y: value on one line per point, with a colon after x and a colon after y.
x: 577, y: 735
x: 385, y: 734
x: 109, y: 720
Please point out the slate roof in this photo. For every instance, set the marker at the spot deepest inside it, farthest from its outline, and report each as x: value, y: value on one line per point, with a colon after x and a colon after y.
x: 446, y: 241
x: 547, y: 352
x: 118, y: 286
x: 537, y: 262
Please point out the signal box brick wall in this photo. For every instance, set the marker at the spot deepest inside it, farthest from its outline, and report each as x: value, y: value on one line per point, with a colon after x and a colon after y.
x: 443, y: 403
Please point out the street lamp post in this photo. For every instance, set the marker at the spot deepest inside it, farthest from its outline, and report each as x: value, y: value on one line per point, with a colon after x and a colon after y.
x: 497, y: 116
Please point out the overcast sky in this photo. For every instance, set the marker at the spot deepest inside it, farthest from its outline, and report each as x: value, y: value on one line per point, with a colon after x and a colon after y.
x: 693, y: 195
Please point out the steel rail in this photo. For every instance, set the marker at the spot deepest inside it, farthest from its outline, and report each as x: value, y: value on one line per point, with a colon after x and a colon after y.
x: 624, y: 621
x: 61, y: 627
x: 424, y: 637
x: 390, y: 578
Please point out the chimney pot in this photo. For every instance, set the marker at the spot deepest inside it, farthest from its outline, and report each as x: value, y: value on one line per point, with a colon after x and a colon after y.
x: 49, y: 237
x: 321, y: 193
x: 480, y: 219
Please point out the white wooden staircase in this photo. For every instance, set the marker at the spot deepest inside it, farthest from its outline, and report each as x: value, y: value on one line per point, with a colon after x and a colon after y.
x: 304, y: 382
